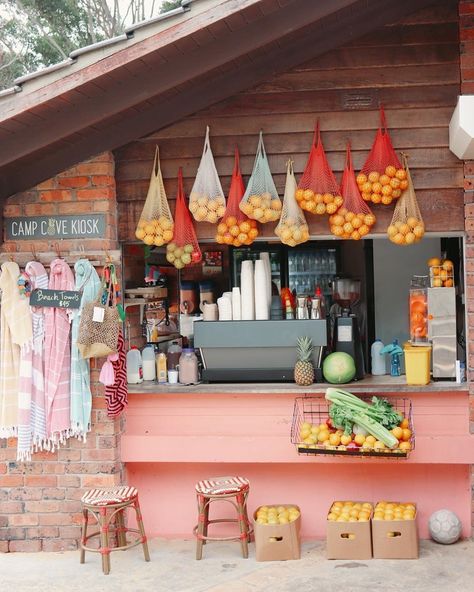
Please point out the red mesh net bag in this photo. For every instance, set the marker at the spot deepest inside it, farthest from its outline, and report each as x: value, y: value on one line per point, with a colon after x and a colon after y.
x: 155, y: 226
x: 292, y: 227
x: 318, y: 191
x: 354, y: 219
x: 382, y: 178
x: 235, y: 227
x: 407, y: 226
x: 184, y: 248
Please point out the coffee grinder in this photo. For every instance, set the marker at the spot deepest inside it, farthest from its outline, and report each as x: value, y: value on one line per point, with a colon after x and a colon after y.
x: 346, y: 334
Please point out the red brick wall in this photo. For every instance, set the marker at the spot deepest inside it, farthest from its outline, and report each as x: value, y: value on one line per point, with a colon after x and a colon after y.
x: 40, y: 500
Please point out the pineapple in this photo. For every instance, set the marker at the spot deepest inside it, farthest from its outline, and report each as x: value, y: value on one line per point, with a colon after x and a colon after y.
x: 304, y: 371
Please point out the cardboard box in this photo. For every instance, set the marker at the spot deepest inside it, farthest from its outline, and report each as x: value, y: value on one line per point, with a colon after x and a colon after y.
x: 348, y: 540
x: 395, y: 539
x: 277, y: 542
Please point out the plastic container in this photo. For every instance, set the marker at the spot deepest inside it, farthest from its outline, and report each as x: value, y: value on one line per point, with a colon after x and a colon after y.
x: 417, y: 363
x: 174, y: 353
x: 134, y: 366
x: 378, y: 359
x: 418, y: 309
x: 188, y: 367
x: 148, y: 363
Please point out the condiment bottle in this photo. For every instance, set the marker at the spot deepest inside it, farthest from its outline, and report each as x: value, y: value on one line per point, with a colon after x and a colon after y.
x: 161, y: 368
x: 289, y: 314
x: 148, y: 362
x: 188, y: 367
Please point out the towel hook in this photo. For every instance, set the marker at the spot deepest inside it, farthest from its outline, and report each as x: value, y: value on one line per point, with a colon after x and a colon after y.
x: 58, y: 252
x: 33, y: 252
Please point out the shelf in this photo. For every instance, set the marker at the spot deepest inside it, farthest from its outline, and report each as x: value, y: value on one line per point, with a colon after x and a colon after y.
x: 292, y: 273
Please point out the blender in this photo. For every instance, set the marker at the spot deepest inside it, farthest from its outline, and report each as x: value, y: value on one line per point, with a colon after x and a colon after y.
x: 346, y: 334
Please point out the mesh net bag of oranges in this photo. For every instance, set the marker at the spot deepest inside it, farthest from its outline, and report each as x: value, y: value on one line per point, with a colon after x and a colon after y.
x: 318, y: 191
x: 260, y: 201
x: 292, y: 227
x: 184, y: 248
x: 236, y: 228
x: 354, y: 219
x: 207, y: 201
x: 407, y: 226
x: 382, y: 178
x: 155, y: 226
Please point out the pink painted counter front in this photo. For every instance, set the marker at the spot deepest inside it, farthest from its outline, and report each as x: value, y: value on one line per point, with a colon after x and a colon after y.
x: 176, y: 436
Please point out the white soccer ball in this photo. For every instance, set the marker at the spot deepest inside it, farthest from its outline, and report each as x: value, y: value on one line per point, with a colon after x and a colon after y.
x: 445, y: 527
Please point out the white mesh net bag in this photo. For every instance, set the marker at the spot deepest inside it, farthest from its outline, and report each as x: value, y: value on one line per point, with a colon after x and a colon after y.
x: 207, y: 201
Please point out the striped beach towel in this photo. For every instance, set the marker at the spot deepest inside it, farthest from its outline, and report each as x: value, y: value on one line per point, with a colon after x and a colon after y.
x: 38, y: 280
x: 57, y: 358
x: 117, y: 394
x: 88, y: 282
x: 15, y: 336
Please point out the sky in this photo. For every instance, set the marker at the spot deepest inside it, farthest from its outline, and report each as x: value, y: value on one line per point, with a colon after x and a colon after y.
x: 149, y: 6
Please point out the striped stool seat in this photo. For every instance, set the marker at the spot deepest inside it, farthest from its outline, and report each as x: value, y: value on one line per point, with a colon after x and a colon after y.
x: 106, y: 508
x: 109, y: 495
x: 222, y: 485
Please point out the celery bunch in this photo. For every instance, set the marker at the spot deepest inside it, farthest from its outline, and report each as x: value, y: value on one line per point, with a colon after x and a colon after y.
x: 377, y: 418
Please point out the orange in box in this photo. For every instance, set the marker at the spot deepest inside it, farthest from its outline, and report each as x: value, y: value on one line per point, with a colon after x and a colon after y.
x: 349, y: 536
x: 396, y: 538
x: 277, y: 542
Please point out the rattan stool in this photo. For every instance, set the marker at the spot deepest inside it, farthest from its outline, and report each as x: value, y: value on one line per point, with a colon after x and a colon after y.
x: 222, y: 489
x: 106, y: 506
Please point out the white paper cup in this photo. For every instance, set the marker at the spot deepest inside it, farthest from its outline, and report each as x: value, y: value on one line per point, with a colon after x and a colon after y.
x: 172, y: 376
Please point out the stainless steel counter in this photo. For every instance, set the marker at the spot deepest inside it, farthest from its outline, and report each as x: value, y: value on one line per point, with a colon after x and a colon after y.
x: 371, y: 384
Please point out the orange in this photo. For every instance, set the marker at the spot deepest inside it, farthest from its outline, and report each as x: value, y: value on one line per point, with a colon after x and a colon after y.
x: 404, y: 424
x: 242, y: 237
x: 398, y: 239
x: 386, y: 190
x: 392, y: 230
x: 419, y: 231
x: 361, y: 179
x: 299, y: 194
x: 404, y: 184
x: 397, y: 432
x: 221, y: 228
x: 449, y: 283
x: 377, y: 188
x: 376, y: 198
x: 337, y: 230
x: 366, y: 195
x: 355, y: 235
x: 363, y: 230
x: 448, y: 265
x: 338, y: 201
x: 231, y: 221
x: 396, y: 193
x: 320, y: 209
x: 328, y: 198
x: 331, y: 208
x: 394, y: 183
x: 443, y: 274
x: 318, y: 198
x: 401, y: 174
x: 412, y: 221
x: 367, y: 187
x: 234, y: 230
x: 404, y: 229
x: 384, y: 179
x: 387, y: 200
x: 406, y: 446
x: 308, y: 194
x: 244, y: 226
x: 374, y: 176
x: 253, y: 233
x: 406, y: 434
x: 349, y: 216
x: 275, y: 204
x: 228, y: 238
x: 356, y: 223
x: 369, y: 219
x: 391, y: 171
x: 348, y: 228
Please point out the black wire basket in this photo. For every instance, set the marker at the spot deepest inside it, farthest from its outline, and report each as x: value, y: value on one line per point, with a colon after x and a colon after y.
x: 315, y: 411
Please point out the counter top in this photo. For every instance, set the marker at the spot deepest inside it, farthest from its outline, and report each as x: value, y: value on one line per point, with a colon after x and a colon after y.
x: 371, y: 384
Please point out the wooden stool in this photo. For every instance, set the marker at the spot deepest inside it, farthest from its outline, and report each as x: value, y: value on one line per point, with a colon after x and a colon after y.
x: 222, y: 489
x: 106, y: 505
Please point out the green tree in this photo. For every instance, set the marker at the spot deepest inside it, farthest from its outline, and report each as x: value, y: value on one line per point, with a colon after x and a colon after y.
x: 168, y: 5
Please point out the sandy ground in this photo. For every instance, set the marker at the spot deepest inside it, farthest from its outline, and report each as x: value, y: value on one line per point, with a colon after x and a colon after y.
x: 222, y: 569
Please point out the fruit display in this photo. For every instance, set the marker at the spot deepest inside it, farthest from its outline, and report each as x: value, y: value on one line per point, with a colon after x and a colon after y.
x: 181, y: 256
x: 318, y: 203
x: 382, y: 187
x: 304, y: 369
x: 441, y: 273
x: 276, y: 514
x: 262, y: 208
x: 350, y: 512
x: 156, y: 232
x: 232, y: 232
x: 205, y: 208
x: 347, y: 224
x: 350, y: 425
x: 394, y: 511
x: 406, y: 233
x: 291, y: 232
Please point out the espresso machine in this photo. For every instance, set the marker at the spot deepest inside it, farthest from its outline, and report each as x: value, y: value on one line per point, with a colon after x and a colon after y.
x: 346, y: 334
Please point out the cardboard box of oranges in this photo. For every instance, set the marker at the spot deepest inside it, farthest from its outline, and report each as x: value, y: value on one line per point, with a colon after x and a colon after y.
x: 277, y: 532
x: 348, y: 534
x: 394, y: 531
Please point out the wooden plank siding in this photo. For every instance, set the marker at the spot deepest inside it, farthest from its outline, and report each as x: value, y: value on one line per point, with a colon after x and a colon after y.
x: 411, y: 67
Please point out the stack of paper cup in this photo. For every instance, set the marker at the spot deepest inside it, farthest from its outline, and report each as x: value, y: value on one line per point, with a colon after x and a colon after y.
x: 236, y: 305
x: 247, y: 291
x: 224, y: 305
x: 262, y: 309
x: 265, y: 257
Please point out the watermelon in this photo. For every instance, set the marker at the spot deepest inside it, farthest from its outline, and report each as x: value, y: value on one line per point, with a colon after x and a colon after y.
x: 339, y: 368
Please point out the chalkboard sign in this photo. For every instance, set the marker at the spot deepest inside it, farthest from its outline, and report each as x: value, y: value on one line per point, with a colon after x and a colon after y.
x: 49, y: 227
x: 55, y: 298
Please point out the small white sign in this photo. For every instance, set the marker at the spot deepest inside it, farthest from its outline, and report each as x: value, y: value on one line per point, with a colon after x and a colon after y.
x: 98, y: 316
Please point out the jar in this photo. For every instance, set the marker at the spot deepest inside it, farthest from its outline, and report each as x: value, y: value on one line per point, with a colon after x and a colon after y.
x: 174, y: 353
x: 188, y: 367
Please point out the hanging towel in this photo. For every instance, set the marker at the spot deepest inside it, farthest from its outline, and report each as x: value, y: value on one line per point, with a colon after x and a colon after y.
x: 38, y: 280
x: 31, y: 419
x: 57, y: 359
x: 15, y: 335
x: 87, y: 282
x: 116, y: 394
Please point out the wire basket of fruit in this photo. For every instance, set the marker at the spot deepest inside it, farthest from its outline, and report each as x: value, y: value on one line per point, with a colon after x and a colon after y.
x: 343, y: 424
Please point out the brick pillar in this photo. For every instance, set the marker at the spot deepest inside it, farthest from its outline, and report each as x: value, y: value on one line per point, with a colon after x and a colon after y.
x: 39, y: 500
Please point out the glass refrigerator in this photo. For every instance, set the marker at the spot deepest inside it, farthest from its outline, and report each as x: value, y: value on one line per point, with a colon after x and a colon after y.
x: 301, y: 269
